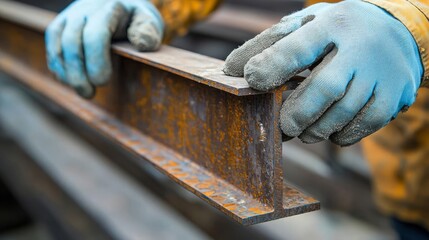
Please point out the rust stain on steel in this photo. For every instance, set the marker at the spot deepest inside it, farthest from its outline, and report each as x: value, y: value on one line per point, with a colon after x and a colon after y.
x: 217, y: 130
x: 219, y: 142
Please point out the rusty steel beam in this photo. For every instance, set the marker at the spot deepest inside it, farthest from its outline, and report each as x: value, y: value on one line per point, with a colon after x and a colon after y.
x: 210, y: 133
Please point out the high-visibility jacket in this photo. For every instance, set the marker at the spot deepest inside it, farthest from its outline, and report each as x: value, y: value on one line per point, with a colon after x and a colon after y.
x: 398, y: 154
x: 178, y: 15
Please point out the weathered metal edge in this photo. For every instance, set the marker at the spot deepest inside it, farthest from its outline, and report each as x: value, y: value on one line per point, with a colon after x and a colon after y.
x: 192, y: 66
x: 196, y: 67
x: 193, y: 177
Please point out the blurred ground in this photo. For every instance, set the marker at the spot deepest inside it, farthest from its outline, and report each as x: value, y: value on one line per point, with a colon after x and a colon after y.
x: 322, y: 225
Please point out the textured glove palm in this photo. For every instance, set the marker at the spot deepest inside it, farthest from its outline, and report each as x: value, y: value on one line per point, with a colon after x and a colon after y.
x: 78, y: 40
x: 367, y: 68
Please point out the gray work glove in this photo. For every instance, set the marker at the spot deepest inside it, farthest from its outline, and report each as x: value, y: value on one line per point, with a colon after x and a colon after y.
x: 371, y: 69
x: 78, y: 40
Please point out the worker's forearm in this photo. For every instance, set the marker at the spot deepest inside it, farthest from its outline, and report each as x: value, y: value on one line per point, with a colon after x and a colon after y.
x: 178, y: 15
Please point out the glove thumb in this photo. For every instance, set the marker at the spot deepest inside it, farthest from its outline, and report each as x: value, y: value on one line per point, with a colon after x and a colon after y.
x: 146, y: 29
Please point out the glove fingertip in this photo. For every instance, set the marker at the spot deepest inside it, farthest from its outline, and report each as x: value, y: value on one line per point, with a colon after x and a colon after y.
x: 259, y: 77
x: 309, y: 139
x: 343, y: 141
x: 79, y: 82
x: 288, y: 122
x: 232, y: 70
x: 144, y: 35
x: 235, y: 62
x: 86, y: 91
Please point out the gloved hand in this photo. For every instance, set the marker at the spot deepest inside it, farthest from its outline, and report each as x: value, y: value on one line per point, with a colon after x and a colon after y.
x: 78, y: 40
x: 367, y: 69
